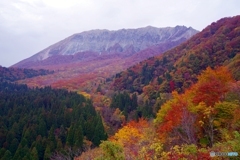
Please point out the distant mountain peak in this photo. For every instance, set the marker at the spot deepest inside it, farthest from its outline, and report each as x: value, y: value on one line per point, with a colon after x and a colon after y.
x: 117, y: 41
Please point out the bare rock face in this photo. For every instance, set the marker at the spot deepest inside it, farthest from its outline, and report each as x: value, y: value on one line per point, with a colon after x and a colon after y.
x: 125, y: 41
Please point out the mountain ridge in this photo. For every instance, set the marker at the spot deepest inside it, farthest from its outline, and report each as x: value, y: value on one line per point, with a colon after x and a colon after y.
x: 104, y: 41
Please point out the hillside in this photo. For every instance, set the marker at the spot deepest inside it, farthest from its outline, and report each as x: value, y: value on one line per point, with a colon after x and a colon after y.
x: 83, y: 60
x: 152, y: 81
x: 197, y: 124
x: 177, y: 69
x: 183, y: 104
x: 44, y: 123
x: 142, y: 89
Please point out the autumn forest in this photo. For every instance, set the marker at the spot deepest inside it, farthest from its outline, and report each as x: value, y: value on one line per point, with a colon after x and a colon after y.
x: 181, y: 104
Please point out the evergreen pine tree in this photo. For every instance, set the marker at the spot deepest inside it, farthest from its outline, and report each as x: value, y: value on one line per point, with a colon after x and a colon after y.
x: 18, y: 153
x: 78, y: 136
x: 42, y: 128
x: 134, y: 102
x: 13, y: 146
x: 51, y: 139
x: 39, y: 147
x: 47, y: 153
x: 59, y: 145
x: 99, y: 132
x: 70, y: 135
x: 62, y: 134
x: 34, y: 154
x: 2, y: 151
x: 7, y: 155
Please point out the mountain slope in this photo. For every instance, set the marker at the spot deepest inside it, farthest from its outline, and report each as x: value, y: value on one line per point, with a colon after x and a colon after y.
x: 98, y: 54
x: 177, y: 69
x: 192, y: 124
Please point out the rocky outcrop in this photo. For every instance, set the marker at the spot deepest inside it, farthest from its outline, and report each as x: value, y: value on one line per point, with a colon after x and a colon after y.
x: 125, y: 41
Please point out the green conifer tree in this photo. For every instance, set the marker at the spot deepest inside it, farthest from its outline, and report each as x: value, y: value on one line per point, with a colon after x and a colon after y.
x: 78, y: 136
x: 7, y: 155
x: 70, y: 136
x: 34, y: 154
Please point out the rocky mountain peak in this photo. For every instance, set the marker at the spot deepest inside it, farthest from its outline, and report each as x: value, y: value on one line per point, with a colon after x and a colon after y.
x: 117, y: 41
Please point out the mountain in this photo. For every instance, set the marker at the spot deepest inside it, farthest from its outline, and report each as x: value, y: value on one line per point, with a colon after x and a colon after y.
x: 98, y: 54
x: 192, y: 93
x: 124, y: 41
x: 178, y: 68
x: 154, y: 81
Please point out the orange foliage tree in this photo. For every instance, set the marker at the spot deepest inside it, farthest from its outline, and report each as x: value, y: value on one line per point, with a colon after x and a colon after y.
x: 130, y: 137
x: 197, y: 114
x: 211, y: 86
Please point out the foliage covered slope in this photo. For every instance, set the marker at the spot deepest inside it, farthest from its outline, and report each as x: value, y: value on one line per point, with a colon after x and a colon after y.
x: 177, y: 69
x: 83, y: 60
x: 154, y: 79
x: 204, y: 118
x: 141, y: 90
x: 196, y: 100
x: 14, y: 74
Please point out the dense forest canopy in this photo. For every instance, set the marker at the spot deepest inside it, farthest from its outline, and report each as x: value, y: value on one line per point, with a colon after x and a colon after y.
x: 190, y: 125
x: 35, y: 123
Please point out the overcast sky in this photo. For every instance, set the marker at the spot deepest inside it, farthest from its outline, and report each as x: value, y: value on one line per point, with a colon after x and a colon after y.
x: 29, y: 26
